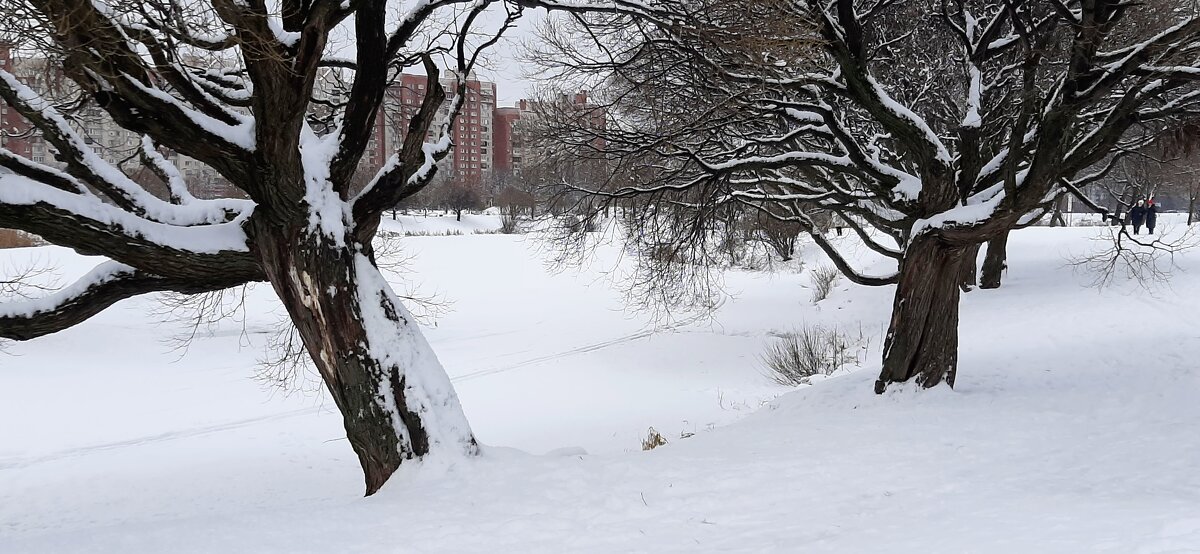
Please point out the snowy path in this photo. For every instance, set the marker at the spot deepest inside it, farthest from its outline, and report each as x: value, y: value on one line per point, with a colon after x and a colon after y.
x: 576, y: 351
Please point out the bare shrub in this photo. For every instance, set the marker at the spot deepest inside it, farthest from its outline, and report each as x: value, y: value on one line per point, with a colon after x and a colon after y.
x: 823, y: 279
x: 811, y: 350
x: 653, y: 440
x: 509, y: 224
x: 513, y: 201
x: 779, y: 235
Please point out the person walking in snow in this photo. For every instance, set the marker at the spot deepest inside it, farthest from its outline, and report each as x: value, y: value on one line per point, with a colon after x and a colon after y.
x: 1151, y: 215
x: 1137, y: 215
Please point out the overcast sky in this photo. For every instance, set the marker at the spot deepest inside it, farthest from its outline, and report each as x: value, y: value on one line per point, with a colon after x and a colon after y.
x: 504, y: 64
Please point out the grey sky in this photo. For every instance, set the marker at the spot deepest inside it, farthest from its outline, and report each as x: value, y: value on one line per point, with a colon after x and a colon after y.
x: 505, y: 66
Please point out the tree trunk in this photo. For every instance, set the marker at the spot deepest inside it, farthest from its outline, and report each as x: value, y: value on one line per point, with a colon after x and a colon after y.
x: 458, y: 215
x: 1056, y: 216
x: 968, y: 274
x: 1191, y: 209
x: 396, y: 401
x: 922, y: 341
x: 995, y: 262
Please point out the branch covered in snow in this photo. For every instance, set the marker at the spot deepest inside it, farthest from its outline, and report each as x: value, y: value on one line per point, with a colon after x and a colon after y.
x: 947, y: 124
x: 105, y: 285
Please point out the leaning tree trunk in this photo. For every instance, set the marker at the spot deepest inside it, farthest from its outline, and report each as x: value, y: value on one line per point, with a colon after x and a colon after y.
x: 922, y: 341
x: 396, y: 401
x: 994, y: 262
x: 969, y: 272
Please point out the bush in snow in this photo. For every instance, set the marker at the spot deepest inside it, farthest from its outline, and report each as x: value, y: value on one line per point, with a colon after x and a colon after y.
x: 823, y: 279
x: 811, y: 350
x: 779, y: 235
x: 509, y: 224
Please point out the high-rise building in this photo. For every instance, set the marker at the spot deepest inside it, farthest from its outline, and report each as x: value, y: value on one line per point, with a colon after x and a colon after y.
x: 471, y: 158
x: 505, y: 156
x: 15, y: 131
x: 518, y: 149
x: 116, y: 145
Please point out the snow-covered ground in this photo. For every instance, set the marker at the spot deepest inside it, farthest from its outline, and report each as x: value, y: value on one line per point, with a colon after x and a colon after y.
x: 1073, y: 428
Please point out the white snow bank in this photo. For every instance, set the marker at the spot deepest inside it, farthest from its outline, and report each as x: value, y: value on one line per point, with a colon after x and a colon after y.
x: 1072, y: 429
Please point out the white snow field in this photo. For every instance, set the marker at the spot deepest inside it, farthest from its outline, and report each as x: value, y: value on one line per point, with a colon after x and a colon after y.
x: 1075, y: 425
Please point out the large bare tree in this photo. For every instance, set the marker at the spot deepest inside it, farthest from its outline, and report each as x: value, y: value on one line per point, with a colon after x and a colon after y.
x: 234, y: 84
x: 931, y: 126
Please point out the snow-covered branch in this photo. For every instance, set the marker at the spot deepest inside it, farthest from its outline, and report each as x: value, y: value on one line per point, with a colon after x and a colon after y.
x: 104, y: 286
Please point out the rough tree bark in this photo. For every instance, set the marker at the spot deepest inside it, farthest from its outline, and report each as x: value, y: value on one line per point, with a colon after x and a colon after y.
x: 258, y: 117
x: 995, y: 262
x: 922, y: 340
x: 969, y: 273
x: 383, y: 376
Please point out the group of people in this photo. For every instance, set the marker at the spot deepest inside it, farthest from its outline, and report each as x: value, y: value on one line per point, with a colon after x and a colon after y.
x: 1144, y: 212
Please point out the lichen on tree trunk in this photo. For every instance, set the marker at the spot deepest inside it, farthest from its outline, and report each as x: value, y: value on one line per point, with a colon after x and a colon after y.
x: 922, y: 340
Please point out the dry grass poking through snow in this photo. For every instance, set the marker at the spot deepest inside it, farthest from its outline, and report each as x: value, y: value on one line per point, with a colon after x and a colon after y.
x: 823, y: 279
x: 653, y: 440
x: 811, y: 350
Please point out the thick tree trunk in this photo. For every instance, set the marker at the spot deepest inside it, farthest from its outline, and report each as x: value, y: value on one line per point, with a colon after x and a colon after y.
x: 995, y: 262
x: 922, y: 341
x: 968, y: 275
x: 1191, y: 209
x: 396, y: 401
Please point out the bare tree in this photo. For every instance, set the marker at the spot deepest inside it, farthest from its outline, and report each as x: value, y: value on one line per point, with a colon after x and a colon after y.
x: 232, y: 84
x: 458, y: 195
x: 930, y: 126
x: 514, y: 201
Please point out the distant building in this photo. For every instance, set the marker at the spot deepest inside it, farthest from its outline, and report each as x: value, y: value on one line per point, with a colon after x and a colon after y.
x: 115, y: 144
x: 520, y: 144
x: 489, y: 142
x: 15, y: 131
x: 471, y: 158
x: 506, y: 154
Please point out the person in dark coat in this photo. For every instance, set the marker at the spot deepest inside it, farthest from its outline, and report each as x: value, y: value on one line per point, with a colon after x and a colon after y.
x: 1151, y: 215
x: 1137, y: 215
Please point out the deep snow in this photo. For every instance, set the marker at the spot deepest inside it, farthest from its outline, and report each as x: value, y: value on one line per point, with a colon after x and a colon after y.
x: 1073, y: 427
